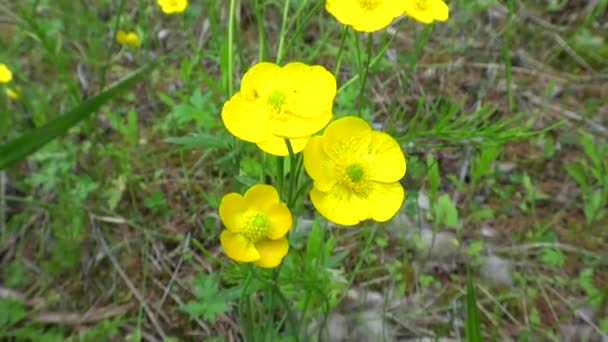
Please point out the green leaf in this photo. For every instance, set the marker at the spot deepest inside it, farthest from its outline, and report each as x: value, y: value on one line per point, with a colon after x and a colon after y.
x: 577, y: 172
x: 433, y: 174
x: 210, y: 299
x: 446, y: 212
x: 552, y: 256
x: 590, y: 150
x: 481, y: 165
x: 472, y: 329
x: 33, y: 140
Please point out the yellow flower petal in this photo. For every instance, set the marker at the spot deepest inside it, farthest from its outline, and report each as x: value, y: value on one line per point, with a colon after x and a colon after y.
x: 260, y: 80
x: 388, y: 159
x: 238, y: 248
x: 231, y: 207
x: 172, y: 6
x: 348, y: 12
x: 381, y: 17
x: 245, y: 119
x: 346, y: 127
x: 281, y: 220
x: 427, y: 11
x: 340, y: 206
x: 346, y: 134
x: 385, y: 200
x: 365, y: 16
x: 261, y: 197
x: 5, y: 74
x: 318, y: 166
x: 272, y: 252
x: 276, y: 146
x: 299, y: 127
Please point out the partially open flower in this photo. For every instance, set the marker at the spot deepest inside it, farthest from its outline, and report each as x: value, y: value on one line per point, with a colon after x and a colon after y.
x: 365, y: 15
x: 275, y: 103
x: 172, y: 6
x: 356, y: 172
x: 427, y: 11
x: 5, y: 74
x: 256, y: 225
x: 128, y: 38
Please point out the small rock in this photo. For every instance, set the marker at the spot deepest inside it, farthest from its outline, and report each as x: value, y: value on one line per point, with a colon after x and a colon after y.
x: 423, y: 201
x: 497, y: 271
x: 444, y: 246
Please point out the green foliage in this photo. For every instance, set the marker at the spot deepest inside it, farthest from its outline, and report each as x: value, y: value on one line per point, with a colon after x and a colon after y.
x: 591, y: 175
x: 28, y: 143
x: 472, y: 332
x: 445, y: 212
x: 211, y: 300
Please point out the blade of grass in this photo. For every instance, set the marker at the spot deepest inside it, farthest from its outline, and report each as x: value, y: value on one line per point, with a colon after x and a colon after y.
x: 472, y: 327
x: 33, y: 140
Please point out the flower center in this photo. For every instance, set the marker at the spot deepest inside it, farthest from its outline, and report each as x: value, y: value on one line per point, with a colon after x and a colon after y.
x: 369, y: 5
x: 422, y: 4
x: 354, y: 180
x: 254, y: 225
x: 354, y: 172
x: 276, y: 99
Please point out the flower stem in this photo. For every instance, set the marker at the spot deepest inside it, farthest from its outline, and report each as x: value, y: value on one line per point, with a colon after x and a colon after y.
x: 230, y: 46
x: 283, y: 33
x: 292, y: 174
x: 259, y: 15
x: 339, y: 56
x: 370, y: 44
x: 280, y: 173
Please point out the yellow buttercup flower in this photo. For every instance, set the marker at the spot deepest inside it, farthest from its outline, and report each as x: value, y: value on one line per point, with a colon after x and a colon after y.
x: 172, y: 6
x: 365, y: 15
x: 128, y: 38
x: 274, y: 103
x: 356, y: 172
x: 427, y: 11
x: 256, y: 225
x: 5, y: 74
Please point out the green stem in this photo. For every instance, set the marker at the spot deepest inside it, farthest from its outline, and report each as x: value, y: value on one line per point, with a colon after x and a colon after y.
x: 292, y: 174
x: 339, y: 56
x: 283, y: 32
x: 259, y: 16
x: 370, y: 44
x: 375, y: 60
x: 230, y: 43
x: 280, y: 173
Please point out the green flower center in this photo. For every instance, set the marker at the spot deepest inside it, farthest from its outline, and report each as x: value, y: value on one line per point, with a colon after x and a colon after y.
x: 276, y: 99
x: 369, y: 5
x: 254, y: 225
x: 354, y: 172
x: 422, y: 4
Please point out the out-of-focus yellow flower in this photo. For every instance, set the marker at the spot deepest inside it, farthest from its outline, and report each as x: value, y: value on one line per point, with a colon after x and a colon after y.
x: 128, y: 38
x: 11, y: 93
x: 356, y: 172
x: 365, y: 15
x: 274, y: 103
x: 5, y: 74
x: 256, y: 225
x: 172, y: 6
x: 427, y: 11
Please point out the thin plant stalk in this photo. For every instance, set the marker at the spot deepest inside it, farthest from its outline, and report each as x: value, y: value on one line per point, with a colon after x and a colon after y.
x: 283, y: 33
x: 230, y: 66
x: 340, y: 50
